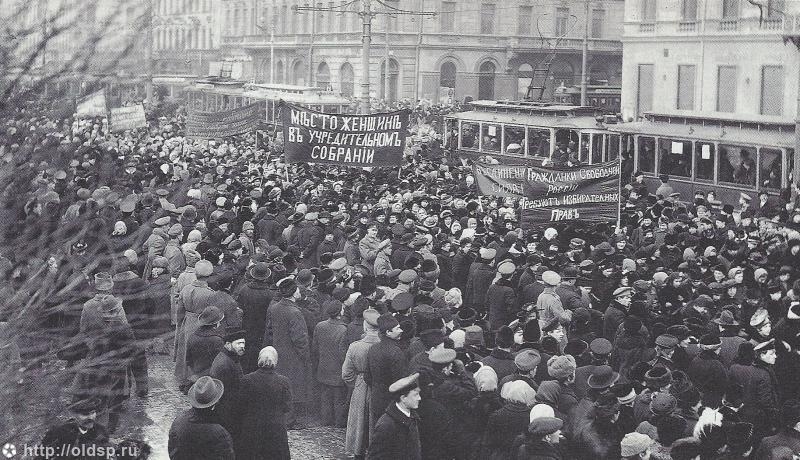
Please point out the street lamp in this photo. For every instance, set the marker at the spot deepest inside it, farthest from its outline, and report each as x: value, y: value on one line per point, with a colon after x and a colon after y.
x: 271, y: 42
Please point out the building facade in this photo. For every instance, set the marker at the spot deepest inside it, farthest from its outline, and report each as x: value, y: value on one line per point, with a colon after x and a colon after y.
x: 483, y: 49
x: 185, y: 37
x: 710, y: 56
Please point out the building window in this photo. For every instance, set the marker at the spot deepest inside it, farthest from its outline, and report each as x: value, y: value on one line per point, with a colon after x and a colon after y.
x: 686, y: 78
x: 394, y: 74
x: 447, y: 19
x: 726, y: 88
x: 347, y: 77
x: 562, y: 16
x: 447, y: 75
x: 486, y: 81
x: 330, y: 24
x: 524, y: 24
x: 772, y: 90
x: 323, y: 76
x: 304, y: 21
x: 689, y: 10
x: 644, y: 100
x: 598, y: 18
x: 487, y: 18
x: 730, y: 9
x: 319, y: 19
x: 648, y: 10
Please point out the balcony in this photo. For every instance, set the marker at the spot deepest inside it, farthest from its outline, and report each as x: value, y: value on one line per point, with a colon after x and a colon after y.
x: 716, y: 26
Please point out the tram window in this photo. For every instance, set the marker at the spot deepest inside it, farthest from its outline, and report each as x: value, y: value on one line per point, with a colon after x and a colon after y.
x: 514, y: 140
x: 490, y: 137
x: 539, y: 142
x: 770, y: 168
x: 469, y: 135
x: 612, y: 147
x: 704, y: 160
x: 597, y: 148
x: 647, y: 154
x: 737, y: 165
x: 583, y: 156
x: 566, y: 145
x: 675, y: 157
x: 790, y: 166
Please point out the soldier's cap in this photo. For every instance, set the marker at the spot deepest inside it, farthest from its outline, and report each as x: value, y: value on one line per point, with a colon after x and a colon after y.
x: 600, y: 346
x: 442, y: 356
x: 667, y: 341
x: 338, y: 264
x: 506, y: 267
x: 407, y: 276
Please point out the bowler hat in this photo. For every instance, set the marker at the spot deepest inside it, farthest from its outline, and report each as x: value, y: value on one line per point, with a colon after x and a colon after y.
x: 287, y: 286
x: 602, y: 377
x: 103, y: 282
x: 260, y: 271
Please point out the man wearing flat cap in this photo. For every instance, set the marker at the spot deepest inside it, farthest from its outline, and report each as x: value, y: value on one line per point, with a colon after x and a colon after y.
x: 396, y: 434
x: 227, y: 368
x: 616, y: 312
x: 549, y: 303
x: 386, y: 363
x: 286, y: 330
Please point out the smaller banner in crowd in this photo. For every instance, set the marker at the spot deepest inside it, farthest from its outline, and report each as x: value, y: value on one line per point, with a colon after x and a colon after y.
x: 589, y: 193
x: 124, y: 118
x: 92, y: 105
x: 344, y: 140
x: 216, y: 125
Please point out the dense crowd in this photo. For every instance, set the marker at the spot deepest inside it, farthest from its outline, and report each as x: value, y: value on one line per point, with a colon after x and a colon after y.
x: 405, y: 307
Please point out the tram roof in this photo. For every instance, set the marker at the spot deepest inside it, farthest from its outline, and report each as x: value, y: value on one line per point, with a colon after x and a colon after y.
x: 724, y: 133
x: 525, y: 119
x: 536, y: 107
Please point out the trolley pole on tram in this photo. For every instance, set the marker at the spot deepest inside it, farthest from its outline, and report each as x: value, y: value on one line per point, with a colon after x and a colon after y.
x: 795, y: 40
x: 585, y: 55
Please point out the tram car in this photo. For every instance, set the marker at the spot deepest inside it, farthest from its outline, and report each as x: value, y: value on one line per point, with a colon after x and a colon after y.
x: 726, y: 154
x: 218, y: 94
x: 604, y: 97
x: 516, y: 132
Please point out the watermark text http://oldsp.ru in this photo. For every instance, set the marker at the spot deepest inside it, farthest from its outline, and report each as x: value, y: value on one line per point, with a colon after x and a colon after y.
x: 67, y: 450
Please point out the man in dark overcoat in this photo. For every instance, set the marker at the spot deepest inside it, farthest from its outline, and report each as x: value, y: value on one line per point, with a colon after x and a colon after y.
x: 80, y: 430
x: 204, y: 344
x: 196, y: 434
x: 396, y: 435
x: 254, y: 298
x: 137, y: 304
x: 329, y: 349
x: 479, y: 280
x: 227, y: 369
x: 386, y: 363
x: 286, y: 330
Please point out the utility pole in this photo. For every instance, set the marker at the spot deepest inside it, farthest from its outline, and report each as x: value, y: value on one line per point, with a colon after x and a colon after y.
x: 272, y: 44
x: 386, y: 93
x: 585, y: 55
x: 311, y: 47
x: 419, y: 51
x: 366, y: 16
x: 148, y: 48
x: 795, y: 40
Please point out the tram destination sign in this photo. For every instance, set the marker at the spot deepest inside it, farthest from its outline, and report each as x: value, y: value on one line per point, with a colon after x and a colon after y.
x: 551, y: 194
x: 360, y: 141
x: 217, y: 125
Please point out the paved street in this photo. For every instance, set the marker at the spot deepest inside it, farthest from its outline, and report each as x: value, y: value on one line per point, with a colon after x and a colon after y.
x: 150, y: 419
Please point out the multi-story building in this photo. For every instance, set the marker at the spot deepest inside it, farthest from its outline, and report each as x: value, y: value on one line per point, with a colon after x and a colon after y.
x: 715, y: 57
x: 483, y: 49
x: 185, y: 36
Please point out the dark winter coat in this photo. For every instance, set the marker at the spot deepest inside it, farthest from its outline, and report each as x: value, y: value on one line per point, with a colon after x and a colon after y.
x: 478, y: 283
x: 502, y: 362
x: 614, y: 316
x: 228, y: 370
x: 67, y: 436
x: 328, y: 348
x: 269, y: 229
x: 709, y: 375
x: 196, y: 435
x: 501, y: 303
x: 760, y: 392
x: 136, y: 302
x: 201, y: 349
x: 286, y: 331
x: 396, y: 437
x: 386, y: 364
x: 461, y: 263
x: 265, y: 397
x: 536, y: 450
x: 442, y: 436
x: 787, y: 438
x: 254, y: 298
x: 598, y: 440
x: 503, y: 426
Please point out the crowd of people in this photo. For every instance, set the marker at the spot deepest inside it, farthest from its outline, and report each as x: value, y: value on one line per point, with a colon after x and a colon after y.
x: 408, y: 308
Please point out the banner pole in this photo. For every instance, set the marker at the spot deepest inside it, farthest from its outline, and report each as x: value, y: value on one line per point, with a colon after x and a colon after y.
x: 619, y: 194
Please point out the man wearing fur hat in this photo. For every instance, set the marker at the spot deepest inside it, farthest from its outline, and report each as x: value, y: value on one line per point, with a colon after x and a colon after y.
x: 286, y: 330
